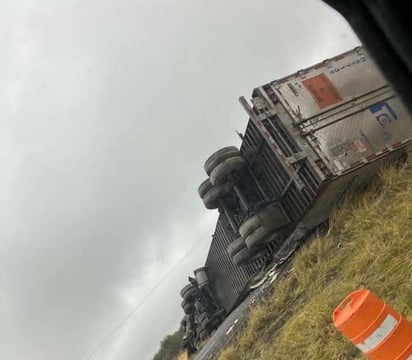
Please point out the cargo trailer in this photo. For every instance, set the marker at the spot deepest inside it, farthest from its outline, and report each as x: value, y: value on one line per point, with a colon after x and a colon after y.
x: 311, y: 138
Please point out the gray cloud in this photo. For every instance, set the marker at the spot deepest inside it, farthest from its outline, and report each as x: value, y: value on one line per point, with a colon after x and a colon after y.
x: 107, y: 112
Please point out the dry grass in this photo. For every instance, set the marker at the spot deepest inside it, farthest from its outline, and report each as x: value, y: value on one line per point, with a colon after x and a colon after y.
x: 369, y: 245
x: 182, y: 356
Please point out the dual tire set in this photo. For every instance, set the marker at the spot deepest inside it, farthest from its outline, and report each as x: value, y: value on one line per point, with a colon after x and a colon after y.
x: 197, y: 317
x: 219, y: 167
x: 205, y: 325
x: 251, y: 244
x: 189, y: 293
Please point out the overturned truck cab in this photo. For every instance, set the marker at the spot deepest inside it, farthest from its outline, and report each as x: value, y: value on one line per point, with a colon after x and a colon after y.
x: 311, y: 138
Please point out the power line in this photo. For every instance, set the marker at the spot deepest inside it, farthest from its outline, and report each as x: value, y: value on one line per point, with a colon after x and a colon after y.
x: 128, y: 316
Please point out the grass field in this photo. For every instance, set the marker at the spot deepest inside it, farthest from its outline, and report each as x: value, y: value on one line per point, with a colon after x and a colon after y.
x: 182, y: 356
x: 369, y: 245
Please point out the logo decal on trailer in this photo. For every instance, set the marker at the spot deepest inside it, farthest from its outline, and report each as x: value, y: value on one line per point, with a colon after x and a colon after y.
x: 384, y: 113
x: 322, y: 90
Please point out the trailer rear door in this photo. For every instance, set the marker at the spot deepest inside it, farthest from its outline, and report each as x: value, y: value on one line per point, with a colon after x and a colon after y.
x: 329, y: 84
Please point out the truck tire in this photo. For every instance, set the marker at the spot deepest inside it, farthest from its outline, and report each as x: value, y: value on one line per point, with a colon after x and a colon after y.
x: 249, y: 226
x: 185, y: 289
x: 221, y: 172
x: 188, y: 292
x: 188, y: 307
x: 246, y: 256
x: 183, y: 324
x: 212, y: 197
x: 265, y: 217
x: 260, y: 237
x: 191, y: 325
x: 235, y: 246
x: 219, y: 156
x: 204, y: 187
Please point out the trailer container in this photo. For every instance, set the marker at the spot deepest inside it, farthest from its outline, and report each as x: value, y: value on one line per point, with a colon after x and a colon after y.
x: 311, y: 138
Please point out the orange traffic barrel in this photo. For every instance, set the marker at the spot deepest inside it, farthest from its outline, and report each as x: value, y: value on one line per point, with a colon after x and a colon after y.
x: 374, y: 327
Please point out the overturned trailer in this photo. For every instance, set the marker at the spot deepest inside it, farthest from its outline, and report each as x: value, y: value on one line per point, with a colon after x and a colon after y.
x: 311, y: 138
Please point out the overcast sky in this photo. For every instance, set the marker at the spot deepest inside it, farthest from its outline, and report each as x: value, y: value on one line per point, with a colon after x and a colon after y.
x: 108, y: 110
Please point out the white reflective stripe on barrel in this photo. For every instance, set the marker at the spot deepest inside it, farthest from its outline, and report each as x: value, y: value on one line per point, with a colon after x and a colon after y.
x: 380, y: 334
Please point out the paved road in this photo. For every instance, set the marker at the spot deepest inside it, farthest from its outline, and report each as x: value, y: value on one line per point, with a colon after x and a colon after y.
x: 233, y: 323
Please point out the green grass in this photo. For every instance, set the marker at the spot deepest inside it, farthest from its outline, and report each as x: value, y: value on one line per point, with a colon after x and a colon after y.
x: 369, y: 245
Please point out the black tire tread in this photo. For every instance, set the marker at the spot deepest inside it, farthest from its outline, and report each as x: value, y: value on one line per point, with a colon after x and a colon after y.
x: 235, y: 246
x: 220, y: 155
x: 204, y: 187
x: 260, y: 237
x: 221, y: 172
